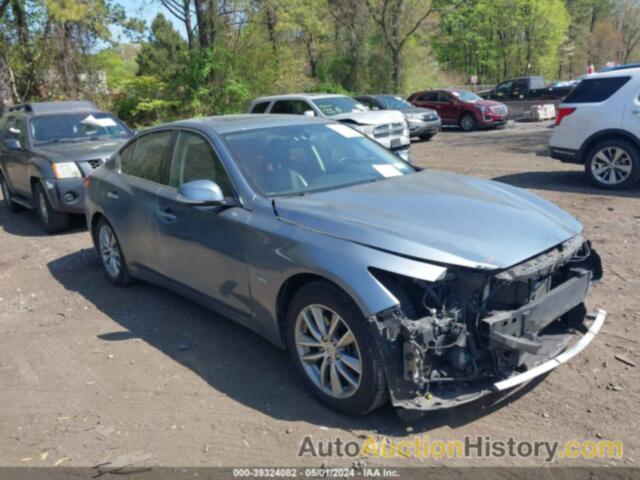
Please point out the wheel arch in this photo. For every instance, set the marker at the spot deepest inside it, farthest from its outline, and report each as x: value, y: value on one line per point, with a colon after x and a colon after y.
x: 289, y: 288
x: 609, y: 134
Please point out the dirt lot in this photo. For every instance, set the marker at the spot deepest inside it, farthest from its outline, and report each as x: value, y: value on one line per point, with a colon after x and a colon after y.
x: 89, y: 372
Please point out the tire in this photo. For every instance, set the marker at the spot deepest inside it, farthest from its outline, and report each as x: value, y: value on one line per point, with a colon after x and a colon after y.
x: 52, y: 220
x: 7, y: 197
x: 108, y: 247
x: 425, y: 137
x: 468, y: 122
x: 371, y: 389
x: 613, y: 164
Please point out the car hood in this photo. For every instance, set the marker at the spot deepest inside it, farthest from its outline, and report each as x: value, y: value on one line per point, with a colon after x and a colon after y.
x: 417, y: 110
x: 79, y: 151
x: 438, y: 217
x: 371, y: 117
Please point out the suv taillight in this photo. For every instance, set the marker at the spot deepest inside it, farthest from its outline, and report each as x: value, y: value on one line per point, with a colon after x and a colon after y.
x: 563, y: 112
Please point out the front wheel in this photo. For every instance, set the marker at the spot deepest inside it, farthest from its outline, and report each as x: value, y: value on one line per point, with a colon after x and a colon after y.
x: 613, y: 164
x: 333, y: 350
x: 468, y: 122
x: 52, y: 220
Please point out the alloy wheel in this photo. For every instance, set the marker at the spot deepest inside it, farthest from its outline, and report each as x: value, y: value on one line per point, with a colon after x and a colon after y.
x: 611, y: 165
x: 467, y: 123
x: 328, y: 351
x: 109, y: 251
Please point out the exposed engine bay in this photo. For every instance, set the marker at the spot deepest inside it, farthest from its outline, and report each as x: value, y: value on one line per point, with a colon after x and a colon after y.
x: 450, y: 341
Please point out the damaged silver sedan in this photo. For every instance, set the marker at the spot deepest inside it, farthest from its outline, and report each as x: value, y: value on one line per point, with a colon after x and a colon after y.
x: 384, y: 281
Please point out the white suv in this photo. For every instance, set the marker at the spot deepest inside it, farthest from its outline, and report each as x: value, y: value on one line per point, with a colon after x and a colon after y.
x: 387, y: 127
x: 598, y: 125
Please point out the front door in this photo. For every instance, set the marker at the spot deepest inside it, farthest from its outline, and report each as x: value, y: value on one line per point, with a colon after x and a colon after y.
x: 17, y: 161
x: 202, y: 247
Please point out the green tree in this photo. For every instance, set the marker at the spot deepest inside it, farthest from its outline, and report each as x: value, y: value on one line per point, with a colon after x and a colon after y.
x: 165, y: 51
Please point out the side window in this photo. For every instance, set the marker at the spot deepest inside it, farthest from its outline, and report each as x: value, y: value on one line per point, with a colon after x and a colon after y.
x: 592, y: 90
x: 367, y: 102
x: 429, y: 97
x: 194, y: 159
x: 444, y: 97
x: 127, y: 152
x: 260, y: 107
x: 504, y: 87
x: 149, y: 158
x: 295, y: 107
x: 16, y: 128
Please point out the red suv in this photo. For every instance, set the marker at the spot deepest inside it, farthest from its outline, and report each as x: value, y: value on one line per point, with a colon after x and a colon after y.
x: 460, y: 107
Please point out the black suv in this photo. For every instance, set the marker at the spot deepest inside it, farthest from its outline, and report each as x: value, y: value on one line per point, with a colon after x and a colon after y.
x: 46, y: 150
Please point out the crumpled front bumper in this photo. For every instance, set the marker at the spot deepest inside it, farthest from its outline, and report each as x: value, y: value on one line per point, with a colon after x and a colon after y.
x: 518, y: 344
x: 515, y: 380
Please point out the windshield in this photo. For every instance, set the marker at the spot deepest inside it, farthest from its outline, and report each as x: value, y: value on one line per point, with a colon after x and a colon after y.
x: 394, y: 103
x: 74, y: 127
x: 331, y: 106
x: 299, y: 159
x: 467, y: 96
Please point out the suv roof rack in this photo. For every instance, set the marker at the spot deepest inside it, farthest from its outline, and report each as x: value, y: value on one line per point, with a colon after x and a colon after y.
x: 54, y: 107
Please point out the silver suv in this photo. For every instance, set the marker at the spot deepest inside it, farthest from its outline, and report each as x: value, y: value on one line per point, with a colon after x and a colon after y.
x: 388, y: 128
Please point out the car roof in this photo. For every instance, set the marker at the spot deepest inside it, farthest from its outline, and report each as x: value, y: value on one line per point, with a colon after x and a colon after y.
x: 633, y: 70
x: 296, y: 96
x: 223, y: 124
x: 619, y: 67
x: 47, y: 108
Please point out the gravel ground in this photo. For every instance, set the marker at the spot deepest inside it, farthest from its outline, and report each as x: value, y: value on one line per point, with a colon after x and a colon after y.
x: 89, y: 373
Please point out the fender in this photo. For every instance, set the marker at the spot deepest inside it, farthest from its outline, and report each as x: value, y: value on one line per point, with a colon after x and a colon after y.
x: 602, y: 134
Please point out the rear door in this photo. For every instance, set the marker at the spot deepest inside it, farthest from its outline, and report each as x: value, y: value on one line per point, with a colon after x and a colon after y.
x: 129, y: 198
x: 17, y: 161
x: 202, y: 247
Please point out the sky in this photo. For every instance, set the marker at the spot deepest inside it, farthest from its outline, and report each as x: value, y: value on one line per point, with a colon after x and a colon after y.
x: 146, y: 10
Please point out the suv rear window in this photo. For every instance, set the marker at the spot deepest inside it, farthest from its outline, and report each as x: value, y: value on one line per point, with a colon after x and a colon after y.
x: 592, y: 90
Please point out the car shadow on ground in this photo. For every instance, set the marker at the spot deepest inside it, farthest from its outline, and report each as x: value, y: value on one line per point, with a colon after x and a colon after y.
x: 25, y: 223
x: 563, y: 181
x: 230, y: 358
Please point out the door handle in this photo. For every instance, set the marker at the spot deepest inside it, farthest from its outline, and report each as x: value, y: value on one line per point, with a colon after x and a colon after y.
x: 113, y: 196
x: 167, y: 215
x: 636, y: 112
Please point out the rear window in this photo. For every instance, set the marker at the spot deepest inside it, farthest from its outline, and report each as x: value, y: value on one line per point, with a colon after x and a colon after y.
x: 260, y: 107
x: 593, y: 90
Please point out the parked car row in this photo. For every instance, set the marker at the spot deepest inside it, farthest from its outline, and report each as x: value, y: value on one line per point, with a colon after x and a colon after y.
x: 382, y: 280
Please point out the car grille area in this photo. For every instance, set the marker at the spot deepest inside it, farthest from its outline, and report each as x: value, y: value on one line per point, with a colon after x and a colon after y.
x: 94, y: 163
x: 388, y: 130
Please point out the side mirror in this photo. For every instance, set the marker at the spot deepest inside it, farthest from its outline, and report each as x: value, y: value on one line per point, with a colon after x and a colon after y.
x: 309, y: 113
x: 12, y: 144
x: 201, y: 193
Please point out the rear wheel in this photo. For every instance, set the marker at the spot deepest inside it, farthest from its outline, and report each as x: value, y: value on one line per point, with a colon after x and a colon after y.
x: 7, y: 196
x: 52, y: 220
x: 333, y: 350
x: 113, y: 262
x: 613, y: 164
x: 468, y: 122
